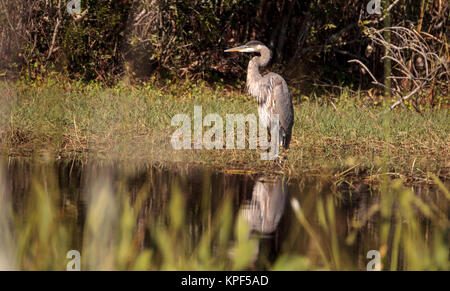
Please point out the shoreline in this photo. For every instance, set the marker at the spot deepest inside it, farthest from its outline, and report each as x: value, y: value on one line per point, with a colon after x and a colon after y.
x: 133, y: 124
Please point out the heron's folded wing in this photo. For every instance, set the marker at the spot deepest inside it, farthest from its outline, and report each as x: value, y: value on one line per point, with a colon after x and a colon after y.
x: 282, y: 102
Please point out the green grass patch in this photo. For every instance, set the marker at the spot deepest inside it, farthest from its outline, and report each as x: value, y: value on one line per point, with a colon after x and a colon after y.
x: 91, y: 121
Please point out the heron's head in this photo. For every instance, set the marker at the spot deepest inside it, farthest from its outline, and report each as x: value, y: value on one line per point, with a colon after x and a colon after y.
x: 253, y: 46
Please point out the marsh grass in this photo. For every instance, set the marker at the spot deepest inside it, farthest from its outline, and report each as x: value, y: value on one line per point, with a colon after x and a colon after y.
x: 89, y: 121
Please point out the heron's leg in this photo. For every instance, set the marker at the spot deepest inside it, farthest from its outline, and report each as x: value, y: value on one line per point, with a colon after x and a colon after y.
x: 283, y: 145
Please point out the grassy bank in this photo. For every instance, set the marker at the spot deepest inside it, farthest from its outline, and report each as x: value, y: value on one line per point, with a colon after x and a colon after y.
x: 75, y: 120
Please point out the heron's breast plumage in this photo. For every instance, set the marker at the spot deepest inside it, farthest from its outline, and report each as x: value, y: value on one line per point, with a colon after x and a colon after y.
x: 263, y: 91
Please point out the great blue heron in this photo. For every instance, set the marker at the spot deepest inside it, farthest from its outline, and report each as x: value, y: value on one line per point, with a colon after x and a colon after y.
x: 271, y: 91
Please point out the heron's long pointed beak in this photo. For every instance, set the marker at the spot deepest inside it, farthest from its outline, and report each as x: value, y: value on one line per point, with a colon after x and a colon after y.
x: 241, y: 49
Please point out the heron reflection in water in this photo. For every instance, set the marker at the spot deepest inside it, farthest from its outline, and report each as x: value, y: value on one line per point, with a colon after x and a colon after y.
x: 263, y: 213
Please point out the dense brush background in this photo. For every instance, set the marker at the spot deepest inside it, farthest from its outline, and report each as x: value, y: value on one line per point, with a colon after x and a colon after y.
x: 111, y: 40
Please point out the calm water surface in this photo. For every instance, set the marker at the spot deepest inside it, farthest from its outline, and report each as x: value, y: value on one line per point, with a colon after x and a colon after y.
x: 264, y: 202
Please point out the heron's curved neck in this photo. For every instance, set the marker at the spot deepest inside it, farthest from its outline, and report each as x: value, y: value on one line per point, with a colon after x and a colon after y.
x: 255, y: 63
x: 254, y: 76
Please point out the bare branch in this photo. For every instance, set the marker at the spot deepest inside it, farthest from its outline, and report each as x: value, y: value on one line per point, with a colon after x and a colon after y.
x: 407, y: 46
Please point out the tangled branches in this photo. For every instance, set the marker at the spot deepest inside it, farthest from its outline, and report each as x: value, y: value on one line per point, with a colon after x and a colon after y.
x: 416, y: 62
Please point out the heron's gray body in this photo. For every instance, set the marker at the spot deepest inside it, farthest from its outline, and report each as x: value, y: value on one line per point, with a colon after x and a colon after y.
x: 272, y: 94
x: 274, y: 98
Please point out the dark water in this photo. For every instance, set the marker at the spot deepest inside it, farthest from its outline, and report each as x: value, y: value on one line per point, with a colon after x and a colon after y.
x: 264, y: 201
